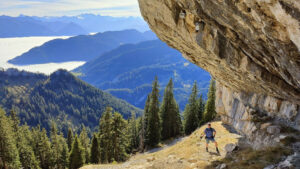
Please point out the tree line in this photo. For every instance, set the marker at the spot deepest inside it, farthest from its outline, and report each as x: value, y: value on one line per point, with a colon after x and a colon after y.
x: 34, y: 148
x: 27, y: 147
x: 162, y: 121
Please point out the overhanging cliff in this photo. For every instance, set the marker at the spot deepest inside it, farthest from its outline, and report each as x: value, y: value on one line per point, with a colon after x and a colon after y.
x: 252, y: 49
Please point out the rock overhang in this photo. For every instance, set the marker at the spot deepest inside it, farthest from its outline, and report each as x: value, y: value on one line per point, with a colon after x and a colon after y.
x: 246, y: 45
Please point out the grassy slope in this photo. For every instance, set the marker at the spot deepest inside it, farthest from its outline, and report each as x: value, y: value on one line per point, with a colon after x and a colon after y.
x: 187, y: 153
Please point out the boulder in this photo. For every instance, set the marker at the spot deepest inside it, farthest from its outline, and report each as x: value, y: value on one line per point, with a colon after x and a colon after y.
x: 221, y: 166
x: 229, y: 148
x: 273, y: 130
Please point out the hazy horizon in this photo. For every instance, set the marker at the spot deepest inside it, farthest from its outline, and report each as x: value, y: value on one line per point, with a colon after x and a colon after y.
x: 117, y: 8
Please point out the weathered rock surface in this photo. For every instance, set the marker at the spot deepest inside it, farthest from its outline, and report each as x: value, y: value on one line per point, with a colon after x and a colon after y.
x: 252, y: 49
x: 229, y: 148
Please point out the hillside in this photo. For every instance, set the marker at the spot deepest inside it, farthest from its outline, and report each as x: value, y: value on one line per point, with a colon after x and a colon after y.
x: 128, y: 71
x: 60, y: 97
x: 80, y: 48
x: 184, y: 153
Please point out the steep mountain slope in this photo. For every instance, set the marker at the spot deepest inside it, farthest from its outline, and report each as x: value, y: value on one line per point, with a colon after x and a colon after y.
x: 128, y: 71
x: 184, y: 153
x: 60, y: 97
x: 80, y: 48
x: 23, y: 26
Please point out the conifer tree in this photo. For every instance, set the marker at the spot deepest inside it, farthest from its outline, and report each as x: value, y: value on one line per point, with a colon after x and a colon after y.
x: 105, y: 135
x: 64, y: 161
x: 119, y: 126
x: 178, y: 128
x: 26, y: 153
x: 201, y: 108
x: 153, y: 125
x: 43, y: 149
x: 133, y: 133
x: 191, y: 112
x: 56, y: 146
x: 8, y: 149
x: 15, y: 121
x: 70, y: 138
x: 210, y: 107
x: 85, y: 142
x: 95, y: 150
x: 170, y: 116
x: 141, y: 132
x: 144, y: 124
x: 23, y: 138
x: 76, y: 155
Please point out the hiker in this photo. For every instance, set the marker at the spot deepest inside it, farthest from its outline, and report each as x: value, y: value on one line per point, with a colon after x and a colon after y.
x: 210, y: 134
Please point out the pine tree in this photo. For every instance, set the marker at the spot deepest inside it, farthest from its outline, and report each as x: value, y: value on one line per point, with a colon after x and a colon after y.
x: 144, y: 124
x: 201, y: 108
x: 153, y: 125
x: 64, y: 161
x: 178, y: 128
x: 105, y: 135
x: 170, y: 115
x: 141, y: 132
x: 56, y: 146
x: 119, y: 126
x: 95, y: 151
x: 23, y: 137
x: 15, y: 121
x: 76, y: 155
x: 85, y: 142
x: 26, y: 153
x: 43, y: 148
x: 133, y: 133
x: 70, y: 138
x: 210, y: 107
x: 191, y: 112
x: 8, y: 149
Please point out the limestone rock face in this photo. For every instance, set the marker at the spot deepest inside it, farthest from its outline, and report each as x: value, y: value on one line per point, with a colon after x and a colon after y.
x: 247, y: 45
x: 252, y: 49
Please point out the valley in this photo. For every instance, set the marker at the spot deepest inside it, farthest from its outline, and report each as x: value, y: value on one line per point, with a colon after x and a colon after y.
x: 12, y: 47
x: 150, y: 84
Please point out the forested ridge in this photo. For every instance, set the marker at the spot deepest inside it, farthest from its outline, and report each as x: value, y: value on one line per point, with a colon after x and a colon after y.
x: 59, y: 98
x: 127, y: 72
x: 116, y: 139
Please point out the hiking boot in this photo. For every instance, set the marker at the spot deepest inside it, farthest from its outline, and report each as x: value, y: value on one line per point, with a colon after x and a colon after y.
x: 217, y: 150
x: 206, y: 149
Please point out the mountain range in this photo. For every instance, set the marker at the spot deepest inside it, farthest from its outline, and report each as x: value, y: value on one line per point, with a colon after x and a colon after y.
x: 80, y: 48
x: 128, y: 71
x: 99, y: 23
x: 25, y: 26
x: 61, y: 98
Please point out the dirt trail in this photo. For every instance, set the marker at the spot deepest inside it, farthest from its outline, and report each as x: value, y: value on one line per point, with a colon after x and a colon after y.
x: 186, y: 153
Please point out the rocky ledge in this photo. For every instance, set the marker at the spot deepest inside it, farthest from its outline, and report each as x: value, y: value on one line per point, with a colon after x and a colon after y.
x: 251, y: 48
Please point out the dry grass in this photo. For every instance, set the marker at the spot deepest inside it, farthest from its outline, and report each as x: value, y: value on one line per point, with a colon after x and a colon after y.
x: 187, y: 153
x: 253, y: 159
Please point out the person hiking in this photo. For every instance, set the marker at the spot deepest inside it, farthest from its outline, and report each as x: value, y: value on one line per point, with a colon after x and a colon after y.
x: 210, y: 134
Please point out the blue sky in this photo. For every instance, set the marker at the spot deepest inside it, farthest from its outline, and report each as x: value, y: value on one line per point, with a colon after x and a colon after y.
x: 69, y: 7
